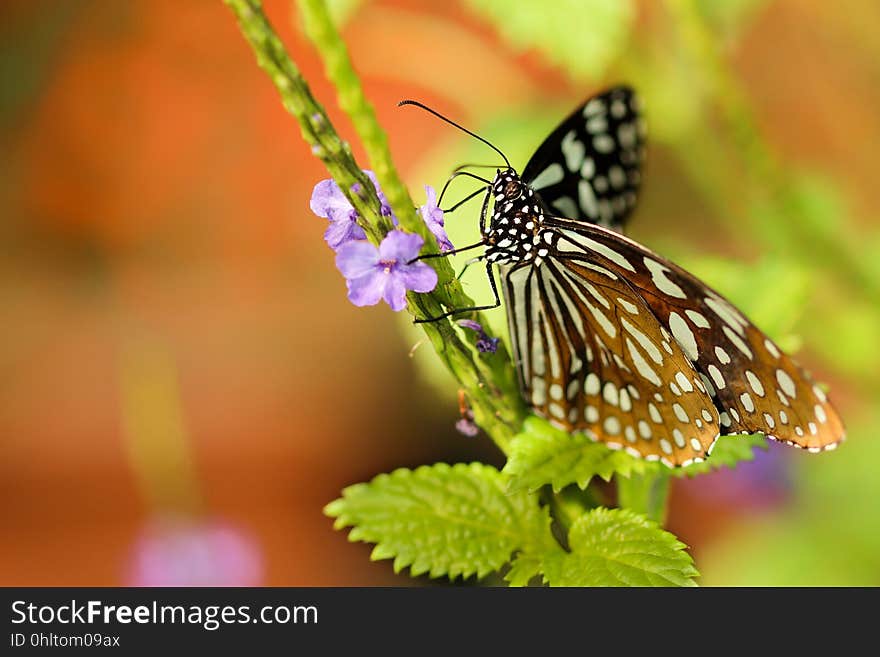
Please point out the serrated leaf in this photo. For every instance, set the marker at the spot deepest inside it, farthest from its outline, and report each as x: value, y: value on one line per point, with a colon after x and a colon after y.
x: 442, y: 519
x: 617, y: 547
x: 604, y: 28
x: 543, y: 454
x: 525, y: 567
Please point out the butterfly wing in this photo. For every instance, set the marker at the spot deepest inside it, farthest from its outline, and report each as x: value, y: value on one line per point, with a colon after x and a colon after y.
x: 589, y: 167
x: 592, y: 357
x: 754, y: 385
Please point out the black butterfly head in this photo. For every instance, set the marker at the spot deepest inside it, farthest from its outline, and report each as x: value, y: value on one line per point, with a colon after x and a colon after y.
x: 516, y: 222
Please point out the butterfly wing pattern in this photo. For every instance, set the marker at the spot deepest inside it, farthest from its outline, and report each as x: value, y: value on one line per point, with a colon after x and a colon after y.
x: 589, y: 167
x: 612, y: 339
x: 591, y: 357
x: 754, y: 385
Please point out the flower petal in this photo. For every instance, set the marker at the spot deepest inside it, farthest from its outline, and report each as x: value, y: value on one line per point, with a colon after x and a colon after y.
x: 467, y: 427
x: 341, y: 231
x: 368, y: 289
x: 395, y: 291
x: 487, y: 345
x: 433, y: 218
x: 417, y: 277
x: 328, y: 200
x: 431, y: 196
x: 400, y: 247
x: 443, y: 242
x: 356, y: 259
x: 471, y: 324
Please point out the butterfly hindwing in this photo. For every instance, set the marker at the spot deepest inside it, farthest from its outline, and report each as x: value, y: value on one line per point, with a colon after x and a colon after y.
x: 588, y: 169
x: 755, y: 386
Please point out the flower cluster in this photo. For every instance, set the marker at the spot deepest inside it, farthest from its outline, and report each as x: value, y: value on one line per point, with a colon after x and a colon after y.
x: 388, y: 271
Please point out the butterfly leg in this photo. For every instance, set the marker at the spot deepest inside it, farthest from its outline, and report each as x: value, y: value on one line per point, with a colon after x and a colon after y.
x: 459, y: 311
x: 444, y: 254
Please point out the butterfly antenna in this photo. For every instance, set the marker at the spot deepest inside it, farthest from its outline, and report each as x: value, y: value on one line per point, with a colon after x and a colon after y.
x: 453, y: 123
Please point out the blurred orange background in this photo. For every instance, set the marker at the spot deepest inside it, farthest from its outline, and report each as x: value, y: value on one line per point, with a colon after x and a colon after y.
x: 179, y: 357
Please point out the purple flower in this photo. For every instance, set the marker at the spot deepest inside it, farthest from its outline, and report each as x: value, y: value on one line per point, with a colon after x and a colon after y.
x: 433, y: 217
x: 485, y: 344
x: 466, y: 427
x: 385, y: 273
x: 181, y: 552
x: 329, y: 202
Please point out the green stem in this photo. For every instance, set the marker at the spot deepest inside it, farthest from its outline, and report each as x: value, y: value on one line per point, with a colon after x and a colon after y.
x: 646, y: 494
x: 488, y: 379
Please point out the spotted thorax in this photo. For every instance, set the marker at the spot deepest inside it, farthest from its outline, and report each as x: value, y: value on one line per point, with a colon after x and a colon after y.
x: 516, y: 230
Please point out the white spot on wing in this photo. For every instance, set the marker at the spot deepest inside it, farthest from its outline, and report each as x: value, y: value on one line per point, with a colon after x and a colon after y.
x: 643, y: 340
x: 697, y: 318
x: 680, y: 413
x: 683, y: 335
x: 611, y: 425
x: 631, y: 308
x: 683, y: 382
x: 549, y: 176
x: 603, y: 250
x: 726, y: 313
x: 737, y: 341
x: 755, y: 383
x: 573, y: 150
x: 566, y: 206
x: 715, y: 373
x: 588, y: 168
x: 722, y: 356
x: 603, y: 143
x: 658, y: 275
x: 609, y: 393
x: 786, y: 383
x: 587, y: 199
x: 641, y: 364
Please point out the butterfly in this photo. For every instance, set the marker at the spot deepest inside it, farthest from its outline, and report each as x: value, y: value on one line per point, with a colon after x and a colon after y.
x: 612, y: 339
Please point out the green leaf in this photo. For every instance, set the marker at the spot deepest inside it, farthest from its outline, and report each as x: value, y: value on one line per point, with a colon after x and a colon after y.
x: 525, y: 568
x: 443, y: 520
x: 543, y: 454
x: 728, y: 451
x: 603, y: 28
x: 617, y: 547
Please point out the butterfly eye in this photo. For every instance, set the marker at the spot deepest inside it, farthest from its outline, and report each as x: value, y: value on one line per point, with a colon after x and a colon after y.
x: 512, y: 190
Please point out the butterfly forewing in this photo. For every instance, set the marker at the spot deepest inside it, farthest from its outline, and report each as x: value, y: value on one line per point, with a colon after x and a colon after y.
x: 588, y: 169
x: 754, y: 385
x: 592, y: 357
